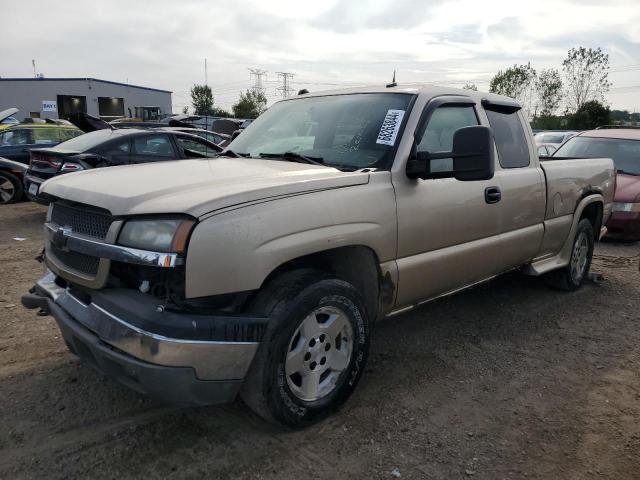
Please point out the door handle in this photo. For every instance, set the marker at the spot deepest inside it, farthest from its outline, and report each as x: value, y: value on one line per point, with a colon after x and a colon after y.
x: 492, y: 194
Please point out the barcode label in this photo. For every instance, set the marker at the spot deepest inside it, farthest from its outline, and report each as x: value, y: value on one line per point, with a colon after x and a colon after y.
x: 390, y: 127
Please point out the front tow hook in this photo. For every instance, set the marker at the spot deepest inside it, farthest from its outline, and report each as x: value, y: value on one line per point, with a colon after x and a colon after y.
x: 32, y: 300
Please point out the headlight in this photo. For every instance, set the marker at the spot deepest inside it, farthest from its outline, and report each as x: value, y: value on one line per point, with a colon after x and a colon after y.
x: 626, y: 207
x: 160, y: 235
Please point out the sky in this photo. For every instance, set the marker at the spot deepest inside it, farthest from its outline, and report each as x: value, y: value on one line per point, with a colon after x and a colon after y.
x: 325, y: 44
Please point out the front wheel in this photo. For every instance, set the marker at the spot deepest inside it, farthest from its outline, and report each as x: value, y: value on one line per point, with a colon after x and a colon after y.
x: 10, y: 188
x: 571, y: 277
x: 314, y: 349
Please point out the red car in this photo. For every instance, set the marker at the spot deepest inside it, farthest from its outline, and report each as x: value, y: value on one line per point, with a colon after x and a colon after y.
x: 623, y: 145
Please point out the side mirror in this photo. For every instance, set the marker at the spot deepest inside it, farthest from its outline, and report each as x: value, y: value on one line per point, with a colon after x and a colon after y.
x: 472, y: 153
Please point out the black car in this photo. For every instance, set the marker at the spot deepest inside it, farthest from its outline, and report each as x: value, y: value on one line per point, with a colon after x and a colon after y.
x: 11, y: 175
x: 217, y: 138
x: 111, y: 147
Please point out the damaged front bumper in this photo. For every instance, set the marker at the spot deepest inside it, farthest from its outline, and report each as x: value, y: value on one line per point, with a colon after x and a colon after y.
x: 178, y: 357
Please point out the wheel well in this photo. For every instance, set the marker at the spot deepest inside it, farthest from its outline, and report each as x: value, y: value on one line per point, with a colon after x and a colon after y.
x: 356, y: 264
x: 593, y: 213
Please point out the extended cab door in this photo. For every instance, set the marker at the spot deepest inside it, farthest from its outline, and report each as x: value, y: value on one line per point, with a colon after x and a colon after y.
x: 448, y: 233
x: 522, y: 186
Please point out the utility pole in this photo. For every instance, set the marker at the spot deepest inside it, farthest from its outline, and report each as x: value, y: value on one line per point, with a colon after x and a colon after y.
x: 33, y: 62
x: 285, y: 89
x: 206, y: 80
x: 256, y: 75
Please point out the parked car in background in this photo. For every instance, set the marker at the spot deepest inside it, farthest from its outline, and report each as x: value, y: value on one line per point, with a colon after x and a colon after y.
x: 623, y: 146
x: 17, y: 140
x: 11, y: 177
x: 546, y: 149
x: 178, y: 123
x: 197, y: 121
x: 217, y: 138
x: 111, y: 147
x: 555, y: 138
x: 7, y: 119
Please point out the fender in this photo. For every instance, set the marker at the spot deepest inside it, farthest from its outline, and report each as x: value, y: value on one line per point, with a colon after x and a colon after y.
x: 562, y: 258
x: 236, y: 250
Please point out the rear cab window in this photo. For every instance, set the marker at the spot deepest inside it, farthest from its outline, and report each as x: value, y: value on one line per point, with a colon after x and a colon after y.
x: 510, y: 138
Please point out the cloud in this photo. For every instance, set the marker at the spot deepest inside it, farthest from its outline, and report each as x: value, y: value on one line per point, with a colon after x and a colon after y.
x: 326, y: 43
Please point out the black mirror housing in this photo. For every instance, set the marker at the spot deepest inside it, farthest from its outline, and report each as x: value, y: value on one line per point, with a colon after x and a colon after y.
x: 472, y: 153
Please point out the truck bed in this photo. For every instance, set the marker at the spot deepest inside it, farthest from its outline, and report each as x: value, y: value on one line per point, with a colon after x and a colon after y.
x: 571, y: 179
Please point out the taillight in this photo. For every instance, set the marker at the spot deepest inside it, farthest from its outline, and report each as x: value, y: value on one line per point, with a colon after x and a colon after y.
x: 71, y: 167
x: 45, y: 160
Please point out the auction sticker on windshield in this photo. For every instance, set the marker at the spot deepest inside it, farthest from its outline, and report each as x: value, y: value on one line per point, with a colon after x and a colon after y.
x: 390, y: 127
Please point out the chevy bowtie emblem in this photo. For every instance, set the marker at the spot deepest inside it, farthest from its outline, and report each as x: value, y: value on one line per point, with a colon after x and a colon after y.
x: 59, y: 237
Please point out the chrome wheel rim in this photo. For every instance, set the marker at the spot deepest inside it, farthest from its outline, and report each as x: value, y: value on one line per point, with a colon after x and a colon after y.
x: 579, y: 257
x: 7, y: 190
x: 319, y: 350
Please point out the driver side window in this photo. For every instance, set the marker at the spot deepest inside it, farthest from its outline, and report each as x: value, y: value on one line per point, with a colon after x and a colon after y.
x: 438, y: 134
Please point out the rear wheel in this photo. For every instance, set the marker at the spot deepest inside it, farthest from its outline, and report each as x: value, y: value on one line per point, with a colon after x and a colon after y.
x: 10, y: 188
x: 571, y: 277
x: 313, y: 352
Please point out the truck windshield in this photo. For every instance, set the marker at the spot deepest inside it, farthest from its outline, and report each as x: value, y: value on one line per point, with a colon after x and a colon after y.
x: 344, y: 131
x: 625, y: 153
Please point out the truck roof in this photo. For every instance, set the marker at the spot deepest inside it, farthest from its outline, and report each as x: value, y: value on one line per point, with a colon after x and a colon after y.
x: 412, y: 89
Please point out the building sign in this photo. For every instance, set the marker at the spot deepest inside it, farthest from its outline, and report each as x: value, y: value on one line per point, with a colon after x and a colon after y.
x: 49, y: 106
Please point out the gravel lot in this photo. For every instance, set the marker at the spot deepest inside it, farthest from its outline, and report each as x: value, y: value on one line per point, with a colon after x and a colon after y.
x: 508, y: 380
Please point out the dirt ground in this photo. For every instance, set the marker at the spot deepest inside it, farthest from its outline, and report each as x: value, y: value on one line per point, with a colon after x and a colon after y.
x: 508, y: 380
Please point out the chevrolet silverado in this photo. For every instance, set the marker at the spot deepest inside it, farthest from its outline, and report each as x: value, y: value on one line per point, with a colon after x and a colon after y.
x: 259, y: 273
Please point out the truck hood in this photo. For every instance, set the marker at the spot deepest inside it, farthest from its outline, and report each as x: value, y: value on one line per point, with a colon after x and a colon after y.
x: 627, y: 188
x: 194, y: 187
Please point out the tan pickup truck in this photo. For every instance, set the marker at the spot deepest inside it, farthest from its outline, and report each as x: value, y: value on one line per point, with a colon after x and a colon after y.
x: 260, y: 272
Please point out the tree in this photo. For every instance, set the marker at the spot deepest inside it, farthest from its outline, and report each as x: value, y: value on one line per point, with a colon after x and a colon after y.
x: 185, y: 110
x: 590, y: 115
x: 250, y: 104
x: 515, y: 82
x: 548, y: 87
x: 202, y: 99
x: 220, y: 112
x: 586, y: 73
x: 470, y: 86
x: 620, y: 116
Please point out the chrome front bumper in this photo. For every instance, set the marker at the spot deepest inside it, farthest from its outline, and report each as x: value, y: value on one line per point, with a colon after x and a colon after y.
x: 90, y: 328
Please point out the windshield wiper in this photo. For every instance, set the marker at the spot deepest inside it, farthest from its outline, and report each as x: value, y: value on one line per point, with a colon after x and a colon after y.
x: 231, y: 153
x: 619, y: 170
x: 294, y: 157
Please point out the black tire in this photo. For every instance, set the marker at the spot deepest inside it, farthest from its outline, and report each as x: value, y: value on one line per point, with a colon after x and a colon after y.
x: 568, y: 278
x: 17, y: 191
x: 288, y: 301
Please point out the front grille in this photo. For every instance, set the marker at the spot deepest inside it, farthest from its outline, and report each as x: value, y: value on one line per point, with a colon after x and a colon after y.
x: 77, y: 261
x: 88, y: 221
